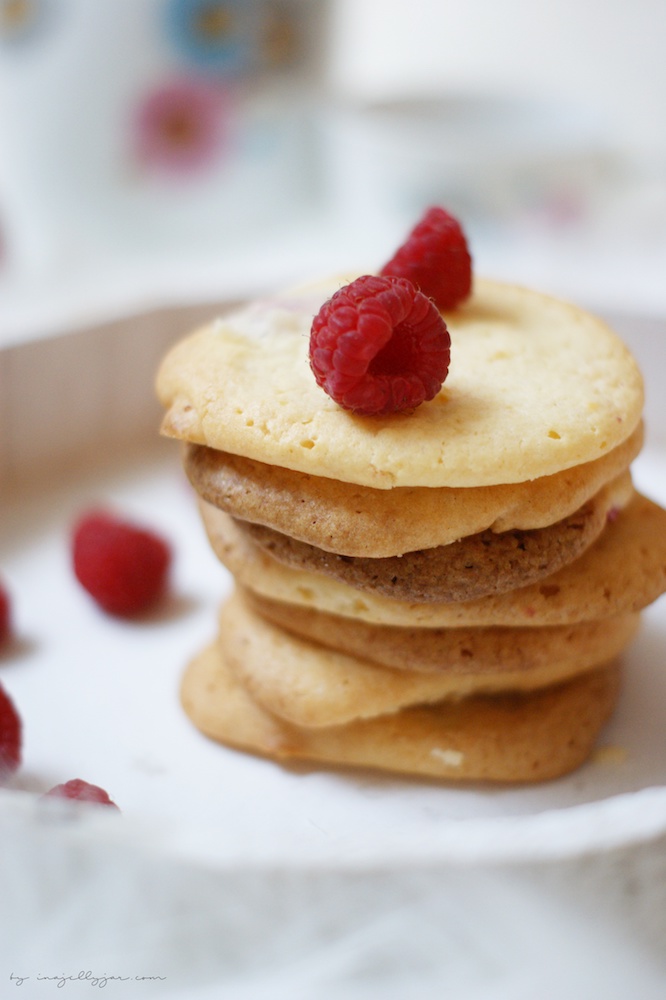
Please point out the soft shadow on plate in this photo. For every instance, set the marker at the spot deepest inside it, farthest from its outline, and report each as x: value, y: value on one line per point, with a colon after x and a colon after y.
x: 17, y: 648
x: 630, y: 756
x: 172, y: 608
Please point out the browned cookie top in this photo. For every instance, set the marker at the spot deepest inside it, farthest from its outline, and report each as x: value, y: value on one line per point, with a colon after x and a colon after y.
x: 314, y: 685
x: 360, y: 521
x: 623, y: 571
x: 485, y: 563
x: 459, y: 651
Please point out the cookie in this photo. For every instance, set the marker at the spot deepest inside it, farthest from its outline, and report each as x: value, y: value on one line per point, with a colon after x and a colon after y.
x: 501, y: 738
x: 535, y: 386
x: 622, y: 572
x: 314, y: 685
x: 459, y: 651
x: 361, y: 521
x: 487, y: 563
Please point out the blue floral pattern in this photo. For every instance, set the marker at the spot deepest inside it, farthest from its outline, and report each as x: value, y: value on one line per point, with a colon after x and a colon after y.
x: 214, y: 35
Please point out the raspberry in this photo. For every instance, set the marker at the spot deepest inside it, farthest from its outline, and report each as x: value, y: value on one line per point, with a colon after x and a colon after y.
x: 82, y: 791
x: 10, y: 736
x: 436, y: 259
x: 5, y: 616
x: 379, y: 346
x: 122, y: 566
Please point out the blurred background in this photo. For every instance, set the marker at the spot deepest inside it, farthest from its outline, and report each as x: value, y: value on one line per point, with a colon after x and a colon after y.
x: 162, y: 158
x: 174, y: 151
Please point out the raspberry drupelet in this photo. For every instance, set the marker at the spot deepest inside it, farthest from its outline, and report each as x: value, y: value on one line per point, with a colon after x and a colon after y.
x: 379, y: 346
x: 436, y: 259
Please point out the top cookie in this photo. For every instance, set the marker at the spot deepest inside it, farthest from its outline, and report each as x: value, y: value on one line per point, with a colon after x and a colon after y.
x: 536, y: 386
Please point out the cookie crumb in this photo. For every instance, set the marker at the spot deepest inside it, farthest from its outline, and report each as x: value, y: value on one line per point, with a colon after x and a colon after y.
x: 452, y: 758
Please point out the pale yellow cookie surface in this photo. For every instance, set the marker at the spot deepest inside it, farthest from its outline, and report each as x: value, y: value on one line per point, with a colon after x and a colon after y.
x: 624, y: 571
x: 504, y: 738
x: 312, y: 685
x: 535, y: 386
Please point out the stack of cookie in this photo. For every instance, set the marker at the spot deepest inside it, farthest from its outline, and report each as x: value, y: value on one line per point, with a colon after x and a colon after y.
x: 443, y: 592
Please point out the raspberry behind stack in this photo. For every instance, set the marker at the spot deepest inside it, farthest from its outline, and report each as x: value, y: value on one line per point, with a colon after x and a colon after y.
x: 443, y: 591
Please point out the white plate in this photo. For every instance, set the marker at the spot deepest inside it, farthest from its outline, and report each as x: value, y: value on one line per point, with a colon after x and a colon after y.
x: 295, y: 846
x: 99, y: 699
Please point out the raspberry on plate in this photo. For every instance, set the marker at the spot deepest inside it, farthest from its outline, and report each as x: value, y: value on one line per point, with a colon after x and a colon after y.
x: 436, y: 259
x: 122, y: 566
x: 10, y: 736
x: 81, y: 791
x: 379, y: 346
